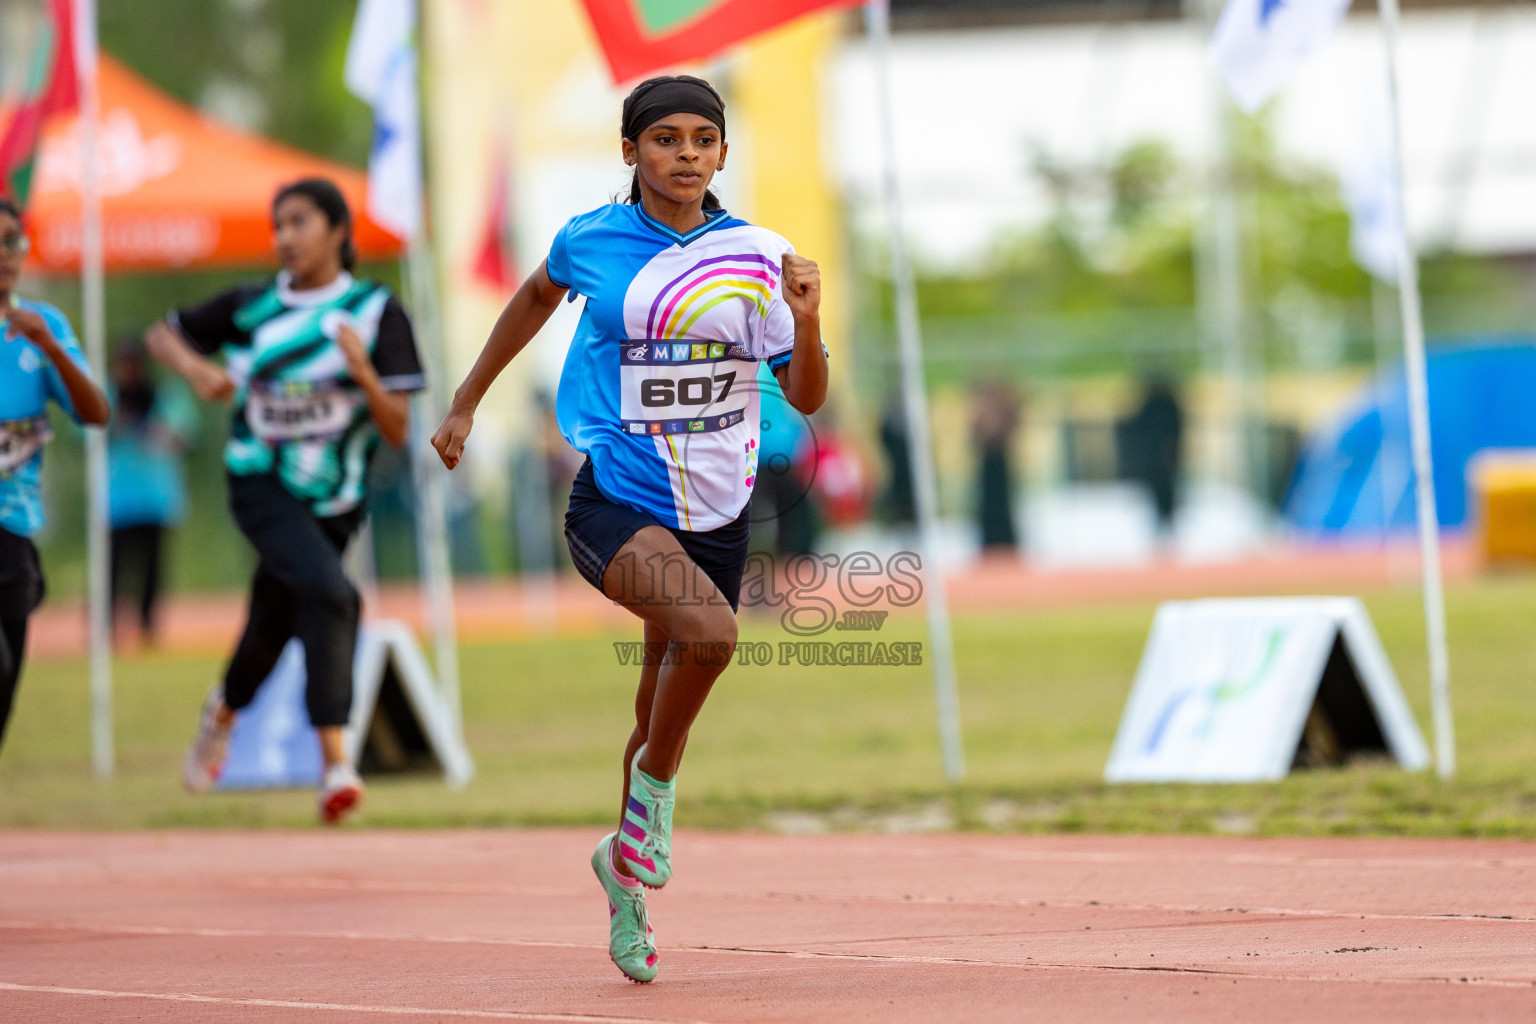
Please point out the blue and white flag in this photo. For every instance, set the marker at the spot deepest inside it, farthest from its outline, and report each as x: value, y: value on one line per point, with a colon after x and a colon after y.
x: 1259, y: 44
x: 381, y: 70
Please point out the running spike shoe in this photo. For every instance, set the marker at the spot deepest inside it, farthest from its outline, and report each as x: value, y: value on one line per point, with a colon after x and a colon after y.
x: 204, y: 761
x: 340, y: 792
x: 646, y: 842
x: 631, y: 943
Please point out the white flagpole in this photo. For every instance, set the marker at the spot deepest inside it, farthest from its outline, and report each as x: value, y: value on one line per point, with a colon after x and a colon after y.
x: 434, y: 554
x: 914, y: 396
x: 1219, y: 286
x: 93, y: 299
x: 434, y: 567
x: 1418, y: 417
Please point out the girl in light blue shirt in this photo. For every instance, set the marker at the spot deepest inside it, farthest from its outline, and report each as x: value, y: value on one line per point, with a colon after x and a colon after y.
x: 40, y: 362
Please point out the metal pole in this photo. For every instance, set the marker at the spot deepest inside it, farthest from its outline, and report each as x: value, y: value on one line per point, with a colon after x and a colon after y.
x: 1219, y: 283
x: 1227, y: 273
x: 93, y: 299
x: 434, y: 565
x: 434, y: 561
x: 1418, y: 419
x: 915, y: 400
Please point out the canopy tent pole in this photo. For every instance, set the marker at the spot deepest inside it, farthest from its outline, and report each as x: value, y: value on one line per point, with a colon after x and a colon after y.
x: 93, y: 300
x: 1418, y: 420
x: 915, y: 403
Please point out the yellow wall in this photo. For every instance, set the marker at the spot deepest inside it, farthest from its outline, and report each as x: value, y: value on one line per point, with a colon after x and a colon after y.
x: 778, y: 88
x: 524, y: 78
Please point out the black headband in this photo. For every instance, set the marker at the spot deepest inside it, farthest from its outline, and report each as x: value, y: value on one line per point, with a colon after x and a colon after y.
x: 653, y: 100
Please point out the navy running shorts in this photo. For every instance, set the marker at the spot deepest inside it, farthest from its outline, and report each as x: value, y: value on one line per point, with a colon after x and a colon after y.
x: 596, y: 528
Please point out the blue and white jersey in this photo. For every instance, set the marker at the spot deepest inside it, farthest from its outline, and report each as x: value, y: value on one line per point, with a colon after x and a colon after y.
x: 28, y: 381
x: 659, y: 384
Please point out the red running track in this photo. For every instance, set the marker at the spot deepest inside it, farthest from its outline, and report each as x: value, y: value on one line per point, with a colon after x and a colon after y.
x: 366, y: 926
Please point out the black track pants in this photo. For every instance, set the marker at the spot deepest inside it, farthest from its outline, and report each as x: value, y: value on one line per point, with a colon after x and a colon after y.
x: 21, y: 591
x: 13, y: 644
x: 299, y: 591
x: 138, y: 547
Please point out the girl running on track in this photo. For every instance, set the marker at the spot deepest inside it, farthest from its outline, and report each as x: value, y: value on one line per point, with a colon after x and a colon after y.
x: 318, y: 365
x: 39, y: 361
x: 682, y: 302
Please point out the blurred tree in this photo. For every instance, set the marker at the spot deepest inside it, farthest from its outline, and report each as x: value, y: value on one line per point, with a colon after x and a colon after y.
x: 273, y: 66
x: 1116, y: 260
x: 1295, y: 224
x: 1140, y: 178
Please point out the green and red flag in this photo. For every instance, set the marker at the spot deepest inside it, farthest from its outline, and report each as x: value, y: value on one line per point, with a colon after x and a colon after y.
x: 643, y: 35
x: 50, y: 88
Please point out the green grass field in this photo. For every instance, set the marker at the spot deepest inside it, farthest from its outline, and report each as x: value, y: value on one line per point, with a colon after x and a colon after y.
x: 815, y: 748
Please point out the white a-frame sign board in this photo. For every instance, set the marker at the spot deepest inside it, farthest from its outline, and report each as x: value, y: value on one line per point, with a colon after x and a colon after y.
x: 400, y: 720
x: 1243, y: 690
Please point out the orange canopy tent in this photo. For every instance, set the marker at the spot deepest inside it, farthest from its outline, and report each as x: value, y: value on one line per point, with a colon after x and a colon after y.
x: 179, y: 191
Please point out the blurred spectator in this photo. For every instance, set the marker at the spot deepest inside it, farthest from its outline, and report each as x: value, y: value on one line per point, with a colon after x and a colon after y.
x: 152, y: 425
x: 841, y: 484
x: 391, y: 525
x: 994, y: 422
x: 897, y: 506
x: 1150, y: 444
x: 542, y: 473
x: 786, y: 471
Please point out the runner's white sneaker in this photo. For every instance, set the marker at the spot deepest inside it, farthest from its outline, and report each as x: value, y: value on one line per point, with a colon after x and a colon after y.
x: 204, y: 762
x: 340, y: 792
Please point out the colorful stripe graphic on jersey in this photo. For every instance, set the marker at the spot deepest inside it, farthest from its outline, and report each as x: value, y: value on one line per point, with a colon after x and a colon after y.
x: 659, y: 386
x: 708, y: 283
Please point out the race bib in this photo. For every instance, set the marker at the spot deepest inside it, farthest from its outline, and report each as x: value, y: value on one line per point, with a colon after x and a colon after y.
x: 684, y: 387
x: 299, y: 411
x: 21, y: 440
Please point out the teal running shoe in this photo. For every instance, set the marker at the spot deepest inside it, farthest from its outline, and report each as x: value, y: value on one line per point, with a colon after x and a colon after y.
x: 646, y: 843
x: 631, y: 943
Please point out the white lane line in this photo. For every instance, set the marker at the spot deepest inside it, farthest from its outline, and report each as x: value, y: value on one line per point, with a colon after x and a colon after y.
x: 301, y: 883
x: 1004, y: 901
x: 403, y: 885
x: 294, y: 1004
x: 795, y: 954
x: 306, y: 883
x: 256, y: 933
x: 866, y: 846
x: 1297, y: 859
x: 806, y: 954
x: 1292, y: 854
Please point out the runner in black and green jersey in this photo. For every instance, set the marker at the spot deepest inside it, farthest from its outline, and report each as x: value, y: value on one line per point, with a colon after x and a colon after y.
x: 317, y: 365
